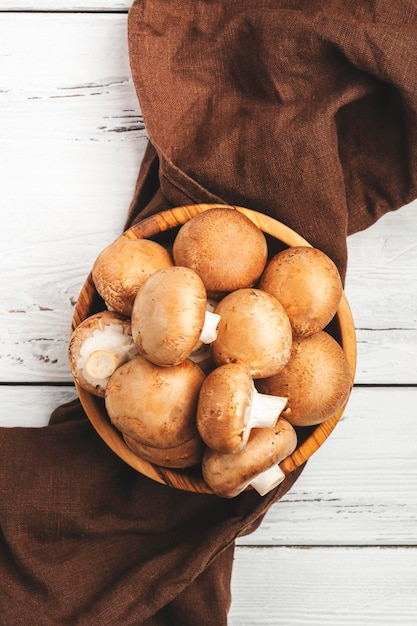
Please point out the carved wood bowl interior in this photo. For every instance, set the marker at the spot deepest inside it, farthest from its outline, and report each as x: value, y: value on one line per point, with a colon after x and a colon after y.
x: 162, y: 228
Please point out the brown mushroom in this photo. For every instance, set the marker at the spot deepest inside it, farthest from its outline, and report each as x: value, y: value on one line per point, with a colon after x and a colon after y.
x: 123, y: 266
x: 254, y: 330
x: 155, y: 405
x: 226, y: 249
x: 170, y: 316
x: 316, y: 380
x: 257, y: 465
x: 98, y: 346
x: 186, y: 454
x: 229, y: 406
x: 308, y: 285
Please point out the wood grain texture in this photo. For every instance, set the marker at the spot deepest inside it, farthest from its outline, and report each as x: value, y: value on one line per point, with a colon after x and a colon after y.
x: 357, y: 489
x: 381, y: 286
x: 317, y: 586
x: 66, y: 5
x: 83, y: 124
x: 74, y: 124
x: 31, y: 406
x: 339, y: 549
x: 72, y: 141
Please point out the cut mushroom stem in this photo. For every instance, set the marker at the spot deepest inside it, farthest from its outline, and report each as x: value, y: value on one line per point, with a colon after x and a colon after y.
x: 264, y: 410
x: 267, y: 480
x: 209, y: 332
x: 256, y: 466
x: 98, y: 346
x: 101, y: 364
x: 229, y: 407
x: 170, y: 317
x: 201, y: 353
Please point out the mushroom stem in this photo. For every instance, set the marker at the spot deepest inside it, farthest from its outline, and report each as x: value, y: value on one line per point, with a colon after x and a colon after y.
x: 104, y: 341
x: 267, y: 480
x: 209, y: 332
x: 264, y: 410
x: 101, y: 364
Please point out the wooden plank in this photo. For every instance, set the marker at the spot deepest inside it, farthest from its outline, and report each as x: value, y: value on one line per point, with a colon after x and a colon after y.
x: 31, y: 406
x: 72, y: 142
x: 382, y: 292
x: 36, y: 315
x: 317, y: 586
x: 66, y: 5
x: 358, y: 489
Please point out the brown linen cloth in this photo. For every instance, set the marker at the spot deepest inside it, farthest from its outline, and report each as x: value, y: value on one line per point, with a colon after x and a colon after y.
x: 306, y: 111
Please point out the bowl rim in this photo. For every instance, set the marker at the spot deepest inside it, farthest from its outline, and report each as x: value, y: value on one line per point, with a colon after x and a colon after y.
x: 94, y: 406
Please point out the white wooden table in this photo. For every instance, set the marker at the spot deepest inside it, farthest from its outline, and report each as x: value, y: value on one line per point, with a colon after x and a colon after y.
x: 340, y: 548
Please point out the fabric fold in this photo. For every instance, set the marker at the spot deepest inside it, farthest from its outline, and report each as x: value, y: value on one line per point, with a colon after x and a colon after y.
x: 88, y: 540
x: 304, y: 111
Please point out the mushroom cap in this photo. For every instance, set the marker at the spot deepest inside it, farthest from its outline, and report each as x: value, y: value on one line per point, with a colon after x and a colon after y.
x: 307, y: 283
x: 155, y: 405
x: 230, y: 474
x: 186, y: 454
x: 254, y: 330
x: 223, y: 405
x: 123, y: 266
x: 316, y: 380
x: 224, y: 247
x: 106, y: 330
x: 168, y: 315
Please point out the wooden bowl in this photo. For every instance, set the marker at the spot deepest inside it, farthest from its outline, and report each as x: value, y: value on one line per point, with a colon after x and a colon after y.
x: 163, y: 227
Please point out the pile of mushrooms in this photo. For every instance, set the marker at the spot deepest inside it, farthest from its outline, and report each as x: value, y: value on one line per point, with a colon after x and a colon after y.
x: 215, y: 353
x: 316, y: 378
